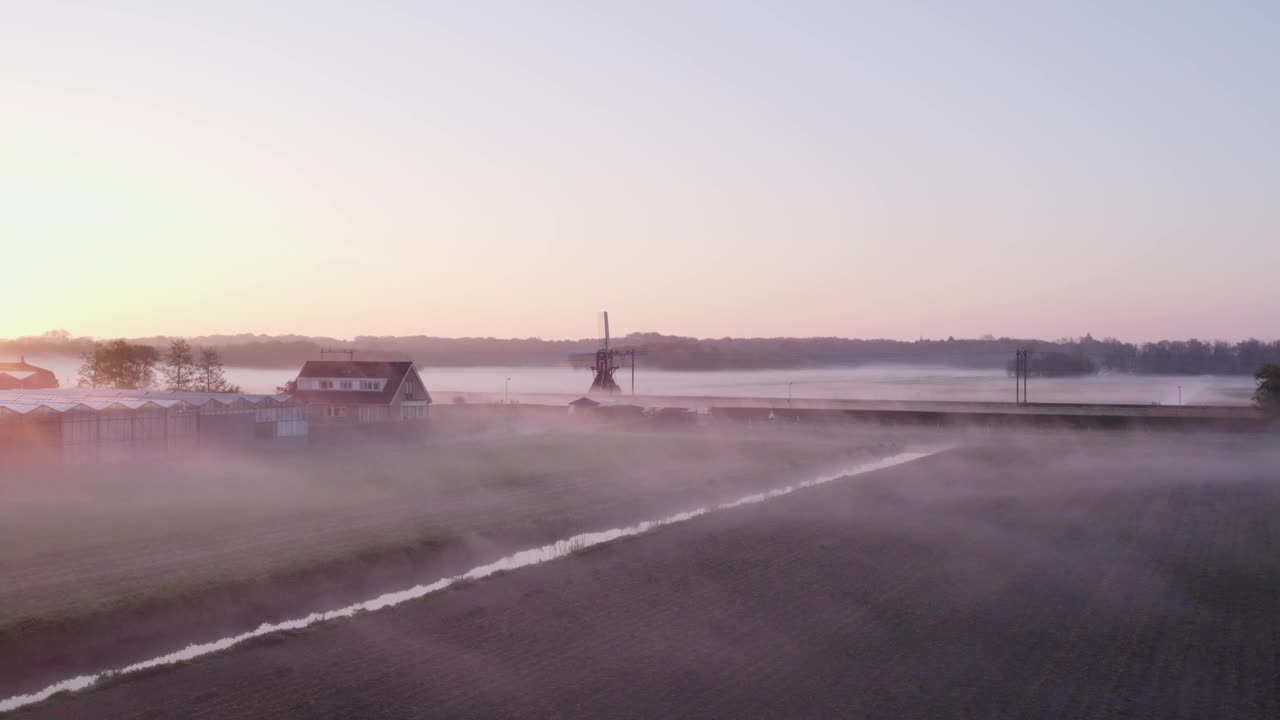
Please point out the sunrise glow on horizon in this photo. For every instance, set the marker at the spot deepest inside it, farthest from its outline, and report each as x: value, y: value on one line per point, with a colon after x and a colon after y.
x: 707, y: 170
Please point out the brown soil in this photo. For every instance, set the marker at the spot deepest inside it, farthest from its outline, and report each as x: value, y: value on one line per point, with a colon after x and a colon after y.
x: 1101, y: 582
x: 173, y: 587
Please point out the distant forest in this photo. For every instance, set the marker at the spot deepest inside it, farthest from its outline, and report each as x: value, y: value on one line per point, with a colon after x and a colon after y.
x: 668, y: 352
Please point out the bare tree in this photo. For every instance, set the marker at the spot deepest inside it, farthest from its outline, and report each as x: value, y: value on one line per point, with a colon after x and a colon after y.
x: 92, y: 372
x: 209, y: 375
x: 180, y: 366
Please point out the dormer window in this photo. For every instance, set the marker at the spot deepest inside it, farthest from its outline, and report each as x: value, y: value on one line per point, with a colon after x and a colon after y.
x: 326, y: 384
x: 347, y: 385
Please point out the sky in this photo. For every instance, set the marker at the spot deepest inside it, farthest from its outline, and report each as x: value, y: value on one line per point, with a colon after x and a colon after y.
x: 710, y: 169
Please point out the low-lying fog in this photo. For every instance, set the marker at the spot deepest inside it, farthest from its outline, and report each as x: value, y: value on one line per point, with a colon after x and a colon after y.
x: 871, y: 382
x: 1107, y: 567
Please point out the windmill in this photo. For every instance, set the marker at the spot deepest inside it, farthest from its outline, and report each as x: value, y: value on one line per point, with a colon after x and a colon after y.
x: 607, y: 360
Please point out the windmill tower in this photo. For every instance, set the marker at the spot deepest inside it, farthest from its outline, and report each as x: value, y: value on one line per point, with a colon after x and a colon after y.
x: 606, y: 361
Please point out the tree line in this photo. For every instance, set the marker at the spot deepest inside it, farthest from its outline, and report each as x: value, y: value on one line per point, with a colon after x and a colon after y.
x: 133, y: 366
x: 668, y: 352
x: 1182, y: 357
x: 1066, y: 356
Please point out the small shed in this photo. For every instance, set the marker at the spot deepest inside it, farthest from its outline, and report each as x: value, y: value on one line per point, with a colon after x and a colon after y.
x: 583, y: 405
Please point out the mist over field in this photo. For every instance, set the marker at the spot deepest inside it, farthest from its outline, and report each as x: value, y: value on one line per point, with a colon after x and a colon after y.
x: 872, y: 382
x: 607, y: 360
x: 1095, y: 574
x: 205, y: 543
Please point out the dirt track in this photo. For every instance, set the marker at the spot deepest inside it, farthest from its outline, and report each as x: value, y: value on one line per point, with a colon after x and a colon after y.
x: 1108, y: 583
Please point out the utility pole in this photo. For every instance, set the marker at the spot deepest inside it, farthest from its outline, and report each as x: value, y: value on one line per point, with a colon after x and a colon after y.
x: 506, y: 393
x: 1021, y: 372
x: 1026, y: 374
x: 1017, y: 377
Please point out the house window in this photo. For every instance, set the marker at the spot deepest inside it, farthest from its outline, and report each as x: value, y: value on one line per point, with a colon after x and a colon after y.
x: 409, y: 388
x: 368, y: 384
x: 326, y: 384
x: 346, y: 385
x: 337, y: 411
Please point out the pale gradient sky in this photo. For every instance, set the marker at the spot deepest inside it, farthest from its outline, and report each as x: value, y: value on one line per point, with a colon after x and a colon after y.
x: 796, y: 168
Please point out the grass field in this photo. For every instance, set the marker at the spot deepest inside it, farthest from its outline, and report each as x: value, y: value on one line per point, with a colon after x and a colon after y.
x: 1078, y: 578
x: 99, y: 565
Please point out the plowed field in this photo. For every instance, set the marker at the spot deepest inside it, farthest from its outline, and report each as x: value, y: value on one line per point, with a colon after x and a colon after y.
x: 1084, y: 580
x: 103, y: 565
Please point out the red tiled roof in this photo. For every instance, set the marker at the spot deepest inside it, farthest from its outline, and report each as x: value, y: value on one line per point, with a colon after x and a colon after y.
x: 355, y: 369
x: 28, y: 376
